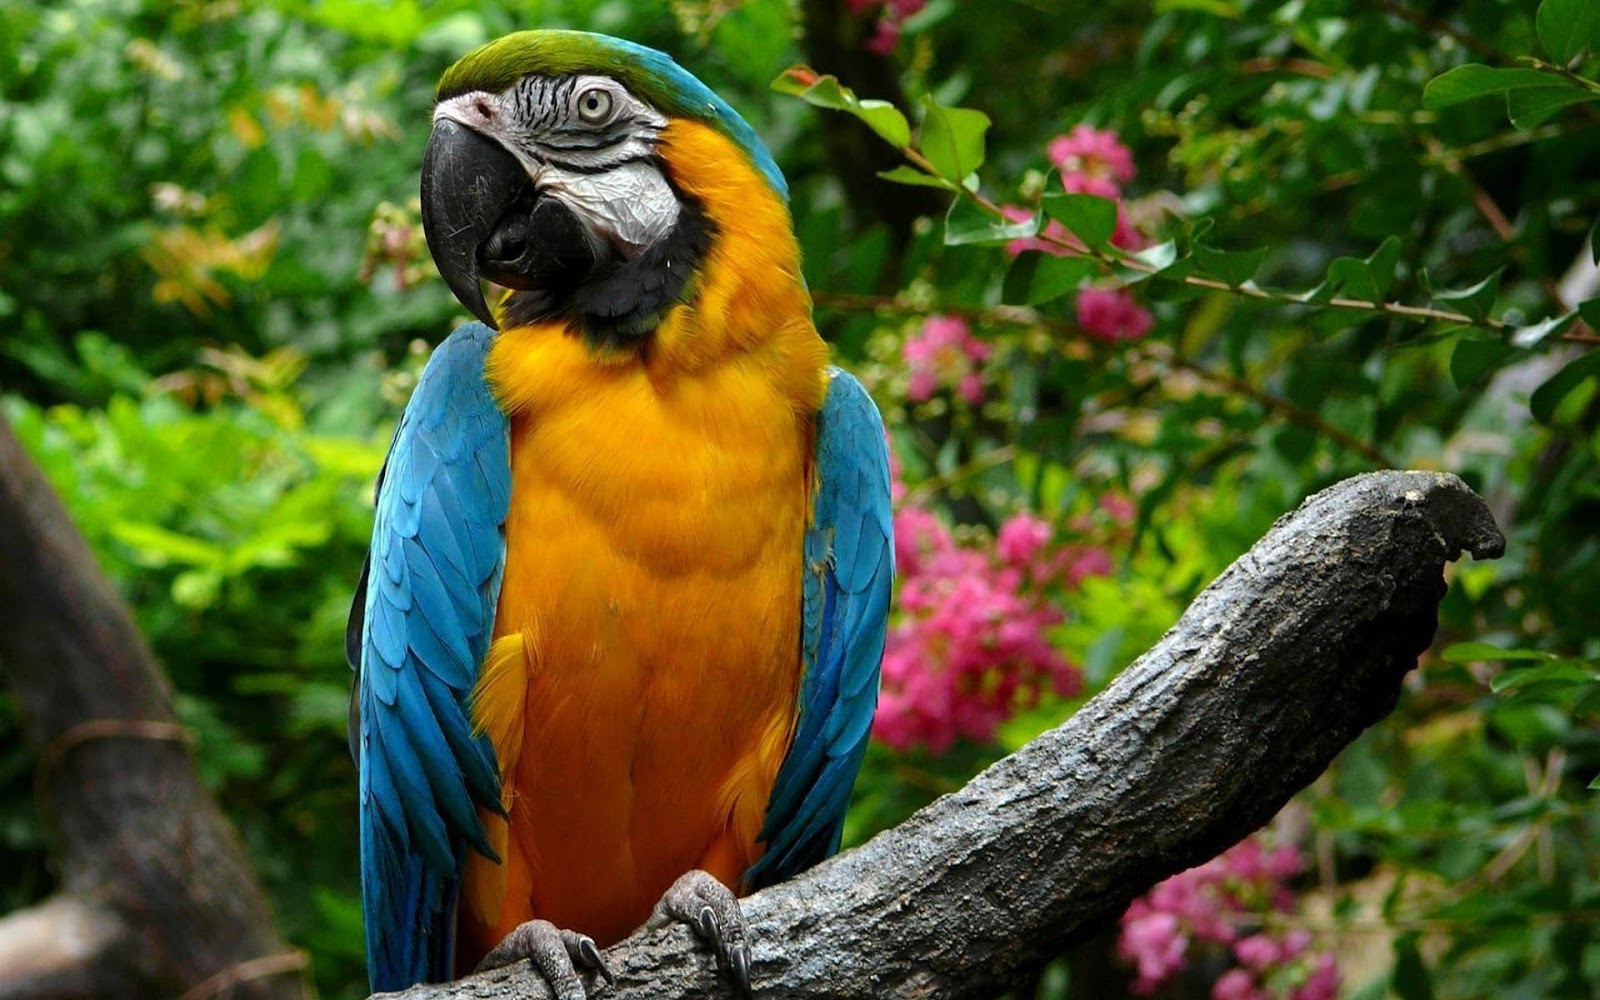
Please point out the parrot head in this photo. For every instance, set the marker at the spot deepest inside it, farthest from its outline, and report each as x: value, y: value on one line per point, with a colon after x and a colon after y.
x: 547, y: 174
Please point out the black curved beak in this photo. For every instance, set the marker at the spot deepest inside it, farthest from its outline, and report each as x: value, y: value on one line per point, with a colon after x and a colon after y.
x: 484, y: 219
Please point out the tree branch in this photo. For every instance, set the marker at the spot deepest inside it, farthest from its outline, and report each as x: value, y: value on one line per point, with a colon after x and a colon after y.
x: 1300, y: 645
x: 148, y: 862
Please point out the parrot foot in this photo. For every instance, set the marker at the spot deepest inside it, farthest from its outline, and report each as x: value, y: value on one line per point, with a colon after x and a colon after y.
x: 713, y: 913
x: 557, y: 954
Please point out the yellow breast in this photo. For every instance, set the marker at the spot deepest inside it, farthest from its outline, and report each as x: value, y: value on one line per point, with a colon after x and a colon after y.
x: 641, y: 690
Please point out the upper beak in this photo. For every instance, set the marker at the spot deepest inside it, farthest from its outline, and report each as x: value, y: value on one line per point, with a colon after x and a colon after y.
x: 468, y: 181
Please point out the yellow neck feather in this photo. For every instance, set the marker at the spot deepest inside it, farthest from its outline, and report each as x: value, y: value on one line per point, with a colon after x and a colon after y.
x: 748, y: 305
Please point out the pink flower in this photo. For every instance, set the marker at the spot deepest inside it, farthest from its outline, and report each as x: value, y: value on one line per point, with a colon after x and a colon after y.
x: 1322, y: 984
x: 1021, y: 538
x: 1110, y: 314
x: 1224, y: 909
x: 1094, y: 152
x: 891, y: 16
x: 945, y: 354
x: 1258, y: 951
x: 884, y: 38
x: 1155, y: 945
x: 1100, y: 187
x: 1120, y: 508
x: 1237, y: 984
x: 972, y: 645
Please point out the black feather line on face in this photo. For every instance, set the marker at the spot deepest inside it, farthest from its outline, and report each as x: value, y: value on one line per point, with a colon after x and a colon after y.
x: 617, y: 308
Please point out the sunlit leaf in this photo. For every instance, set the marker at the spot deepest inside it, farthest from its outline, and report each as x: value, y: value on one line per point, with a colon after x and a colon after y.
x: 1549, y: 396
x: 952, y: 139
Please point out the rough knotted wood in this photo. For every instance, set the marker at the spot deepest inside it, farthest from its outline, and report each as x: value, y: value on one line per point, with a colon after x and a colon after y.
x: 157, y: 893
x: 1300, y: 645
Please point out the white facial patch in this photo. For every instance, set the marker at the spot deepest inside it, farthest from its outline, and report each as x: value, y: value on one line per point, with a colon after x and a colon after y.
x: 586, y: 141
x: 631, y: 204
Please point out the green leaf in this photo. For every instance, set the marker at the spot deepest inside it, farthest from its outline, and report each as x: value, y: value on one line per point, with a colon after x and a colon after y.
x: 823, y: 92
x: 1474, y: 301
x: 1548, y: 397
x: 1567, y: 27
x: 1474, y: 358
x: 1477, y: 652
x: 886, y: 120
x: 967, y: 223
x: 1569, y: 673
x: 1533, y: 106
x: 1369, y: 278
x: 1590, y: 312
x: 952, y: 139
x: 1233, y: 266
x: 1474, y: 80
x: 1092, y: 219
x: 826, y: 91
x: 1535, y: 334
x: 916, y: 178
x: 1037, y: 277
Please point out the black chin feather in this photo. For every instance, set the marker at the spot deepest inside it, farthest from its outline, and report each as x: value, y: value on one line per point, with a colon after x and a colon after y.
x: 618, y: 307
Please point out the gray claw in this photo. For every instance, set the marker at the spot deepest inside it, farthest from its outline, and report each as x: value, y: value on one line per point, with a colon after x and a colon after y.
x: 712, y: 911
x: 555, y: 953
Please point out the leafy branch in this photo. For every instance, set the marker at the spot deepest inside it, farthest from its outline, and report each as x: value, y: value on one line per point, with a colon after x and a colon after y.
x: 950, y: 149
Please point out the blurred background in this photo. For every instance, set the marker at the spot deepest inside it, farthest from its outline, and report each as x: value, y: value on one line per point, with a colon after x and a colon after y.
x: 215, y: 297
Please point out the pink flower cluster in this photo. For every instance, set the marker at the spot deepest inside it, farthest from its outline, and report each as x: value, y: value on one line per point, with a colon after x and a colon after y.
x: 1110, y: 314
x: 972, y: 645
x: 945, y: 354
x: 1092, y: 161
x: 1222, y: 905
x: 891, y: 17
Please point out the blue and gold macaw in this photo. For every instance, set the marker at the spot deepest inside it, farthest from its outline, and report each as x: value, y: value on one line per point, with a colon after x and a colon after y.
x: 619, y: 632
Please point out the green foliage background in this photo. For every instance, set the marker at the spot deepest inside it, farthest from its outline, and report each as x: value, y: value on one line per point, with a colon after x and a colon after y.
x: 213, y: 307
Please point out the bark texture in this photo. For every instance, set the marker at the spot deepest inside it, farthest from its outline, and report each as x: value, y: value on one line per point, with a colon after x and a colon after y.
x: 1300, y: 645
x: 157, y: 896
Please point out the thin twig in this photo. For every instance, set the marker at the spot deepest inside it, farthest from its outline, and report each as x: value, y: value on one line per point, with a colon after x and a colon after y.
x: 1490, y: 210
x: 1149, y: 350
x: 1438, y: 26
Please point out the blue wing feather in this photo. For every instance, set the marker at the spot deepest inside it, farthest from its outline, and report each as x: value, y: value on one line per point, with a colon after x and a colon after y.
x: 849, y: 571
x: 420, y: 627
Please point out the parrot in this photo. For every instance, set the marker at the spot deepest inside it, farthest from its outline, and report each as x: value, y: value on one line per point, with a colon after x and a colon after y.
x: 618, y: 634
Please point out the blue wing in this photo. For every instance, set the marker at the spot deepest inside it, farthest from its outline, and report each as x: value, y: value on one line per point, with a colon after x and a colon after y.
x: 849, y: 570
x: 420, y: 626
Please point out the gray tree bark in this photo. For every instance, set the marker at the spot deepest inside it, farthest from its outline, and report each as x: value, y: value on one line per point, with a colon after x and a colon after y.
x: 1294, y: 650
x: 157, y: 897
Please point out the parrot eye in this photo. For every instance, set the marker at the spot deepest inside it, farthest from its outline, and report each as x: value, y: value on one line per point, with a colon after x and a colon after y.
x: 594, y: 105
